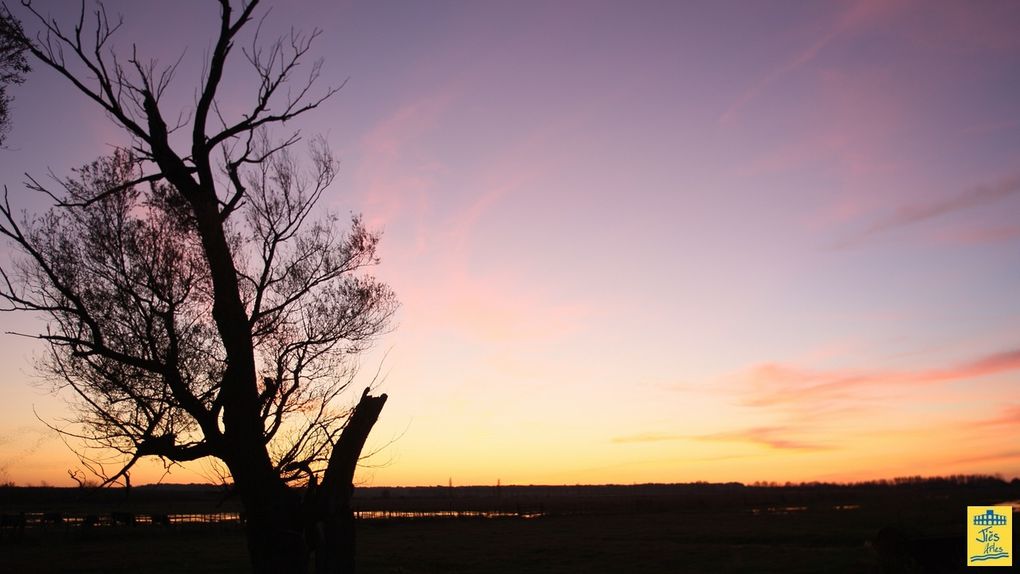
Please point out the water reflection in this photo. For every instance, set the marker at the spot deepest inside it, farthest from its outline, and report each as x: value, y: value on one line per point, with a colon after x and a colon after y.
x: 404, y: 514
x: 122, y: 519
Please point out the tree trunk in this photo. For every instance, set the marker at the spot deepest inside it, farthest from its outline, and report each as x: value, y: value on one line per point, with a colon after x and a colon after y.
x: 331, y: 518
x: 283, y: 533
x: 275, y: 531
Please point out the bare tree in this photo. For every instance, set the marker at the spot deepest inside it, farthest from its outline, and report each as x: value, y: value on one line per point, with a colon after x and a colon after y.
x: 197, y: 306
x: 13, y: 67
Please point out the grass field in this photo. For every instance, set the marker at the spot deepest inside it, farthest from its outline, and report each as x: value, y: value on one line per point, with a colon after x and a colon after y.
x: 661, y: 542
x: 773, y: 530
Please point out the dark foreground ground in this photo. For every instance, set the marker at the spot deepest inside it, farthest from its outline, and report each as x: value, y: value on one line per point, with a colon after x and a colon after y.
x: 691, y: 528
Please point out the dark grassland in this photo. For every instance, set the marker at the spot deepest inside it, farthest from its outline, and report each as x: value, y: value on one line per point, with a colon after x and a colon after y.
x: 654, y: 528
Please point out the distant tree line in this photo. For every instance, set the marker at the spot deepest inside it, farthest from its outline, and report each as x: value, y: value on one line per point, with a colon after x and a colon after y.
x: 949, y: 480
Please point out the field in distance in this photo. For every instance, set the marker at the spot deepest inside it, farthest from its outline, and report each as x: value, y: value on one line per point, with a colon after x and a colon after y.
x: 643, y: 528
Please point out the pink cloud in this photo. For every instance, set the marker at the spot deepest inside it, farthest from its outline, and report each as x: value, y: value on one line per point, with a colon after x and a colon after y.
x: 773, y: 437
x: 860, y: 15
x: 394, y: 176
x: 973, y: 197
x: 501, y: 301
x: 1007, y: 416
x: 910, y: 214
x: 730, y: 114
x: 996, y: 457
x: 776, y: 384
x: 507, y: 312
x: 978, y: 235
x: 955, y: 27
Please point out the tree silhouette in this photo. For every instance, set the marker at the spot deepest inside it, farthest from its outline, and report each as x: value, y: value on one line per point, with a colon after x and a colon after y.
x: 13, y: 67
x: 197, y: 307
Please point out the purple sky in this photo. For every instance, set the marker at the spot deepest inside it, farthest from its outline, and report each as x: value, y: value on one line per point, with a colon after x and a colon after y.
x: 644, y: 241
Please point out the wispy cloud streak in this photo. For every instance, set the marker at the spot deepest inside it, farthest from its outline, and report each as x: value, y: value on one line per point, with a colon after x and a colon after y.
x: 772, y: 437
x: 996, y: 457
x: 755, y: 90
x: 859, y: 15
x: 1007, y: 416
x: 776, y: 437
x: 980, y: 195
x: 916, y: 213
x: 775, y: 384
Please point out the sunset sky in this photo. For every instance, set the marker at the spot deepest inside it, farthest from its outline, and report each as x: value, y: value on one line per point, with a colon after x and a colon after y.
x: 639, y: 241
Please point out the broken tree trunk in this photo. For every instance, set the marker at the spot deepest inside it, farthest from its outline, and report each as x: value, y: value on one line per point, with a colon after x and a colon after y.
x: 331, y: 518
